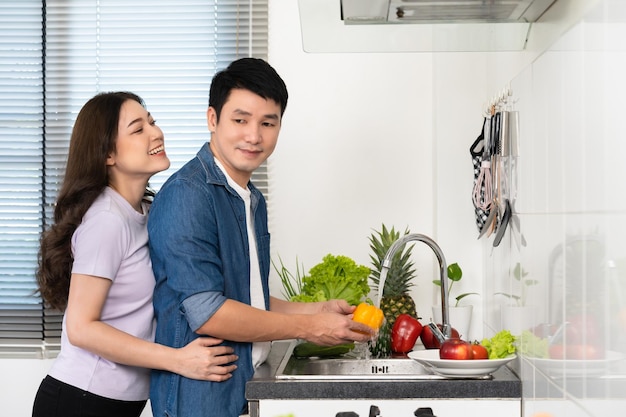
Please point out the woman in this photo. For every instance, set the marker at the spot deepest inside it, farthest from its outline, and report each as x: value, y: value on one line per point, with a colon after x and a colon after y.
x: 99, y: 239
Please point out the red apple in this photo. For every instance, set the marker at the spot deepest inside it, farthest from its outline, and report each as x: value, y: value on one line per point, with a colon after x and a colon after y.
x: 430, y: 341
x: 456, y: 349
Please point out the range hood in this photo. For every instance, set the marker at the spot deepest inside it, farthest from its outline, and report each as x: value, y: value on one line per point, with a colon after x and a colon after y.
x: 442, y: 11
x: 419, y: 25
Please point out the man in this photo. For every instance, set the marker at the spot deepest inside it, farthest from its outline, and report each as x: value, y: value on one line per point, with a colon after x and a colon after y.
x: 209, y: 243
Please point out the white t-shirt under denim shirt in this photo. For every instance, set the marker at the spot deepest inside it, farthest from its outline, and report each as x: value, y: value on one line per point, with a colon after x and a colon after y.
x: 260, y: 350
x: 112, y: 243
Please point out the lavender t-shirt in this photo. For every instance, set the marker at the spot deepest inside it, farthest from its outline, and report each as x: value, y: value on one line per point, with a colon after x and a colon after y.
x: 112, y: 243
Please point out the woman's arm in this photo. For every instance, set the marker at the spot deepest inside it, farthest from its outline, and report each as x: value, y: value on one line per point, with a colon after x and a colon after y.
x: 200, y: 359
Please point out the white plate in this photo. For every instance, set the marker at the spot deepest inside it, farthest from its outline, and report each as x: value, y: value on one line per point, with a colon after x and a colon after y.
x: 478, y: 367
x: 577, y: 367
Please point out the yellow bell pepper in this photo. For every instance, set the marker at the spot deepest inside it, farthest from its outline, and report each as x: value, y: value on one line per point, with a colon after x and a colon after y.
x: 369, y: 315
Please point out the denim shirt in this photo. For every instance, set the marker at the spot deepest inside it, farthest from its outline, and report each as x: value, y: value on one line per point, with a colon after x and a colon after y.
x: 200, y: 257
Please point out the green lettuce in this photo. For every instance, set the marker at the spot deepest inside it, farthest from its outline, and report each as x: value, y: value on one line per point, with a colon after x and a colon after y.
x: 501, y: 345
x: 336, y: 277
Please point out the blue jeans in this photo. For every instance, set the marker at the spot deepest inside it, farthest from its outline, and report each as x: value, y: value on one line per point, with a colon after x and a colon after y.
x: 58, y: 399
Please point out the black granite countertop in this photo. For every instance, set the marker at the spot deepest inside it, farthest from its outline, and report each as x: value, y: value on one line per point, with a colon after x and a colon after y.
x: 505, y: 384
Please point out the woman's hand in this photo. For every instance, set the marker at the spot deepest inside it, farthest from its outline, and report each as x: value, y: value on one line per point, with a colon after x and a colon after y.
x: 203, y: 359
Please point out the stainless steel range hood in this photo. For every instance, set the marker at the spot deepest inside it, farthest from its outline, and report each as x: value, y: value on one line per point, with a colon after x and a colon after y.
x: 442, y: 11
x: 420, y: 25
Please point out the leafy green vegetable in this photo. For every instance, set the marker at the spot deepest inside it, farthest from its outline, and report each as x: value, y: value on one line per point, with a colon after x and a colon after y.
x: 308, y: 349
x: 335, y: 277
x: 501, y: 345
x: 292, y: 285
x: 531, y: 345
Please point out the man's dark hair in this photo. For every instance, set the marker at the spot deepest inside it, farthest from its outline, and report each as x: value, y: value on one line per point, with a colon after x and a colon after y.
x: 253, y: 74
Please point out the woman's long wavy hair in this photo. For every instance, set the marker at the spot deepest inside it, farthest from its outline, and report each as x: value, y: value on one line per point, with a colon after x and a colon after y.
x: 86, y: 175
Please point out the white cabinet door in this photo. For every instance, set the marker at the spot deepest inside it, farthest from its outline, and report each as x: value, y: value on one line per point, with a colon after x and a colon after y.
x: 466, y: 407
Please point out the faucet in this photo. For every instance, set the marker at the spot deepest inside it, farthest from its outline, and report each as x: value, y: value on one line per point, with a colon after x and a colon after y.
x: 443, y: 270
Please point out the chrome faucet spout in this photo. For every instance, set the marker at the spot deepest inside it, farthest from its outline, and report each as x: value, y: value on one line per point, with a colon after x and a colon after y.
x: 443, y: 271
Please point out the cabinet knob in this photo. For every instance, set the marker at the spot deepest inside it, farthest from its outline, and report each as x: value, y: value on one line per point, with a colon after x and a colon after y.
x: 374, y: 411
x: 424, y: 412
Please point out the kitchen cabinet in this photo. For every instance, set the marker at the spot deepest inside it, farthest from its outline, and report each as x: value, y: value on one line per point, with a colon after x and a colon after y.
x: 269, y: 396
x: 390, y: 408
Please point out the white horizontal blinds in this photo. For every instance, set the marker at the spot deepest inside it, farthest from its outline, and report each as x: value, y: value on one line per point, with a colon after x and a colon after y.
x: 21, y: 121
x: 167, y: 52
x: 242, y: 29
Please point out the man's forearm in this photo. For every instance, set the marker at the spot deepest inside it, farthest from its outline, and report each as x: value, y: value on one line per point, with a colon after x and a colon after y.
x: 286, y: 307
x: 242, y: 323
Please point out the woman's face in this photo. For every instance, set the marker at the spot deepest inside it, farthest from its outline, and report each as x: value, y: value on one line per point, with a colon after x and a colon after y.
x: 139, y: 148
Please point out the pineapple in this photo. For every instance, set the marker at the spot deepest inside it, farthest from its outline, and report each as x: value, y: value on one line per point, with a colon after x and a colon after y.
x: 395, y: 296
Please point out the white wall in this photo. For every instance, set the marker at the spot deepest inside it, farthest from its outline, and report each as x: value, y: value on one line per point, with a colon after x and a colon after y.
x: 372, y: 138
x: 19, y: 380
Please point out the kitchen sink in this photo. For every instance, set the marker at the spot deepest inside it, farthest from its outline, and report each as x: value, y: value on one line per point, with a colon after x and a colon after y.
x: 350, y: 367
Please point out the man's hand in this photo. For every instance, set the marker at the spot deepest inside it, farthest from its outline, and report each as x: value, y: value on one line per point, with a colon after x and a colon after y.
x: 333, y: 325
x: 336, y: 306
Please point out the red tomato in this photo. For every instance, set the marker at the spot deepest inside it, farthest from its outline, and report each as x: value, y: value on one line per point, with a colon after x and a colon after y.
x: 479, y: 351
x: 456, y: 349
x: 404, y: 333
x: 430, y: 341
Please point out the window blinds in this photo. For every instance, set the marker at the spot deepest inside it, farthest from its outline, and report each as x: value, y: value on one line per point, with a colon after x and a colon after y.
x: 21, y: 168
x: 54, y: 56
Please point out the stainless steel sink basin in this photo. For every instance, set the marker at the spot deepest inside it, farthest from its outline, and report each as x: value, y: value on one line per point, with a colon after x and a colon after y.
x: 350, y: 368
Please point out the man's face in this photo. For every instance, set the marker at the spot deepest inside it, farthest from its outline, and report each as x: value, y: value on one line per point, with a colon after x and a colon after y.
x: 246, y: 134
